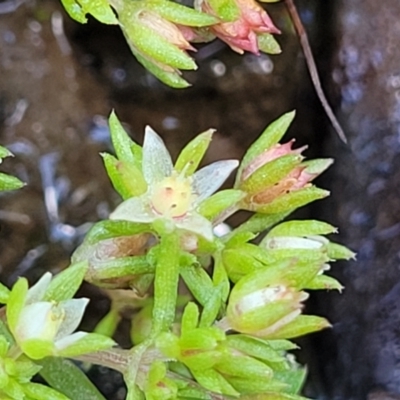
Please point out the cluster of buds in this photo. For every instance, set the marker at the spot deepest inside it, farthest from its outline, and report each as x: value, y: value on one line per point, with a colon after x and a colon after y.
x: 244, y: 25
x: 275, y: 177
x: 160, y: 32
x: 225, y: 364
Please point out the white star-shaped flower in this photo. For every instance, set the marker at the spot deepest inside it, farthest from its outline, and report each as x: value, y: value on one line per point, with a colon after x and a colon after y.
x: 170, y: 194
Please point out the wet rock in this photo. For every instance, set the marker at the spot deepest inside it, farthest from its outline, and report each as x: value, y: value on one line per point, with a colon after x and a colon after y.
x: 362, y: 350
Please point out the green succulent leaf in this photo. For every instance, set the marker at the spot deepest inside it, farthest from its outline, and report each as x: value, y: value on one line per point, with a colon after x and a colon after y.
x: 270, y: 173
x: 180, y: 14
x: 214, y: 381
x: 155, y: 47
x: 8, y: 182
x: 324, y: 282
x: 89, y: 343
x: 302, y: 325
x: 190, y: 157
x: 4, y: 153
x: 16, y: 302
x: 100, y: 9
x: 4, y: 294
x: 67, y: 378
x: 302, y: 228
x: 227, y: 10
x: 293, y: 200
x: 271, y: 136
x: 126, y: 178
x: 125, y: 148
x: 169, y: 76
x: 65, y: 284
x: 268, y: 44
x: 293, y: 378
x: 215, y: 205
x: 39, y: 392
x: 339, y: 252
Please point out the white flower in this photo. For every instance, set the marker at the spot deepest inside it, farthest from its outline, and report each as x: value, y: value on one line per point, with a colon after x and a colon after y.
x: 170, y: 194
x: 45, y: 327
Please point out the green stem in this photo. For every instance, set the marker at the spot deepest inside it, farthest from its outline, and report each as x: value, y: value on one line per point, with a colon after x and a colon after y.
x: 166, y: 283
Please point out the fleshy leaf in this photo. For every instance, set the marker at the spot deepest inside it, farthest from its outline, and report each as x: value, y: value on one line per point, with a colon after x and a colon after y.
x: 65, y: 284
x: 302, y: 325
x: 271, y: 135
x: 8, y: 182
x: 227, y: 10
x: 16, y: 302
x: 154, y: 46
x: 293, y: 200
x: 126, y: 178
x: 180, y: 14
x: 219, y: 202
x: 302, y: 228
x: 125, y: 148
x: 192, y: 154
x: 68, y: 379
x: 89, y: 343
x: 170, y: 77
x: 268, y: 44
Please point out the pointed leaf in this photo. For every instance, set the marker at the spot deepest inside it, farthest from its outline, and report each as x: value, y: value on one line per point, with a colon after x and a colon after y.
x: 302, y: 325
x: 169, y: 76
x: 101, y: 10
x: 89, y: 343
x: 192, y: 154
x: 8, y: 182
x: 125, y: 148
x: 4, y: 294
x: 270, y: 173
x: 180, y: 14
x: 40, y: 392
x: 74, y: 10
x: 271, y: 135
x: 293, y: 200
x: 16, y: 302
x: 339, y: 252
x: 127, y: 179
x: 68, y: 379
x: 227, y: 10
x: 324, y: 282
x: 215, y: 205
x: 65, y: 284
x: 302, y: 228
x: 268, y: 44
x: 154, y: 46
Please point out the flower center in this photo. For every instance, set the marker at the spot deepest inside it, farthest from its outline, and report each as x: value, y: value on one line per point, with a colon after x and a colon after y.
x: 172, y: 197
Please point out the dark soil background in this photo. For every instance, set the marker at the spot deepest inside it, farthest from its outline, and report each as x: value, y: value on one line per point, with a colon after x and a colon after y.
x: 59, y: 80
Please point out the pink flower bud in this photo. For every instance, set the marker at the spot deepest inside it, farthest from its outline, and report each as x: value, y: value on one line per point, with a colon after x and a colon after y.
x: 241, y: 35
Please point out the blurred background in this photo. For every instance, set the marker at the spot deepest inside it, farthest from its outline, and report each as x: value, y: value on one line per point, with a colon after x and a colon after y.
x: 59, y: 80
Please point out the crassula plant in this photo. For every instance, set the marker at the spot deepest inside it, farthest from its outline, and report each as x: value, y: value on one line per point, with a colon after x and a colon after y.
x: 214, y: 307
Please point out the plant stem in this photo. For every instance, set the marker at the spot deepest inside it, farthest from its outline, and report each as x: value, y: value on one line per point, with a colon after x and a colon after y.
x: 166, y: 283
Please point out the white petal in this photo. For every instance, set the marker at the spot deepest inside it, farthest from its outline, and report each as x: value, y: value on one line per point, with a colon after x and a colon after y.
x: 35, y: 322
x: 74, y: 309
x: 198, y: 224
x: 135, y: 209
x: 157, y: 163
x: 207, y: 180
x: 38, y: 290
x: 69, y: 340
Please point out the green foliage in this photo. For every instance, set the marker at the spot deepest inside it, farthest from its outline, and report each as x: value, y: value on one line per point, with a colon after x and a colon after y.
x: 228, y: 337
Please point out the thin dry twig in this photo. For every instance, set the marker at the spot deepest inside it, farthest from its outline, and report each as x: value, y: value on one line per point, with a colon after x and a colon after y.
x: 305, y: 44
